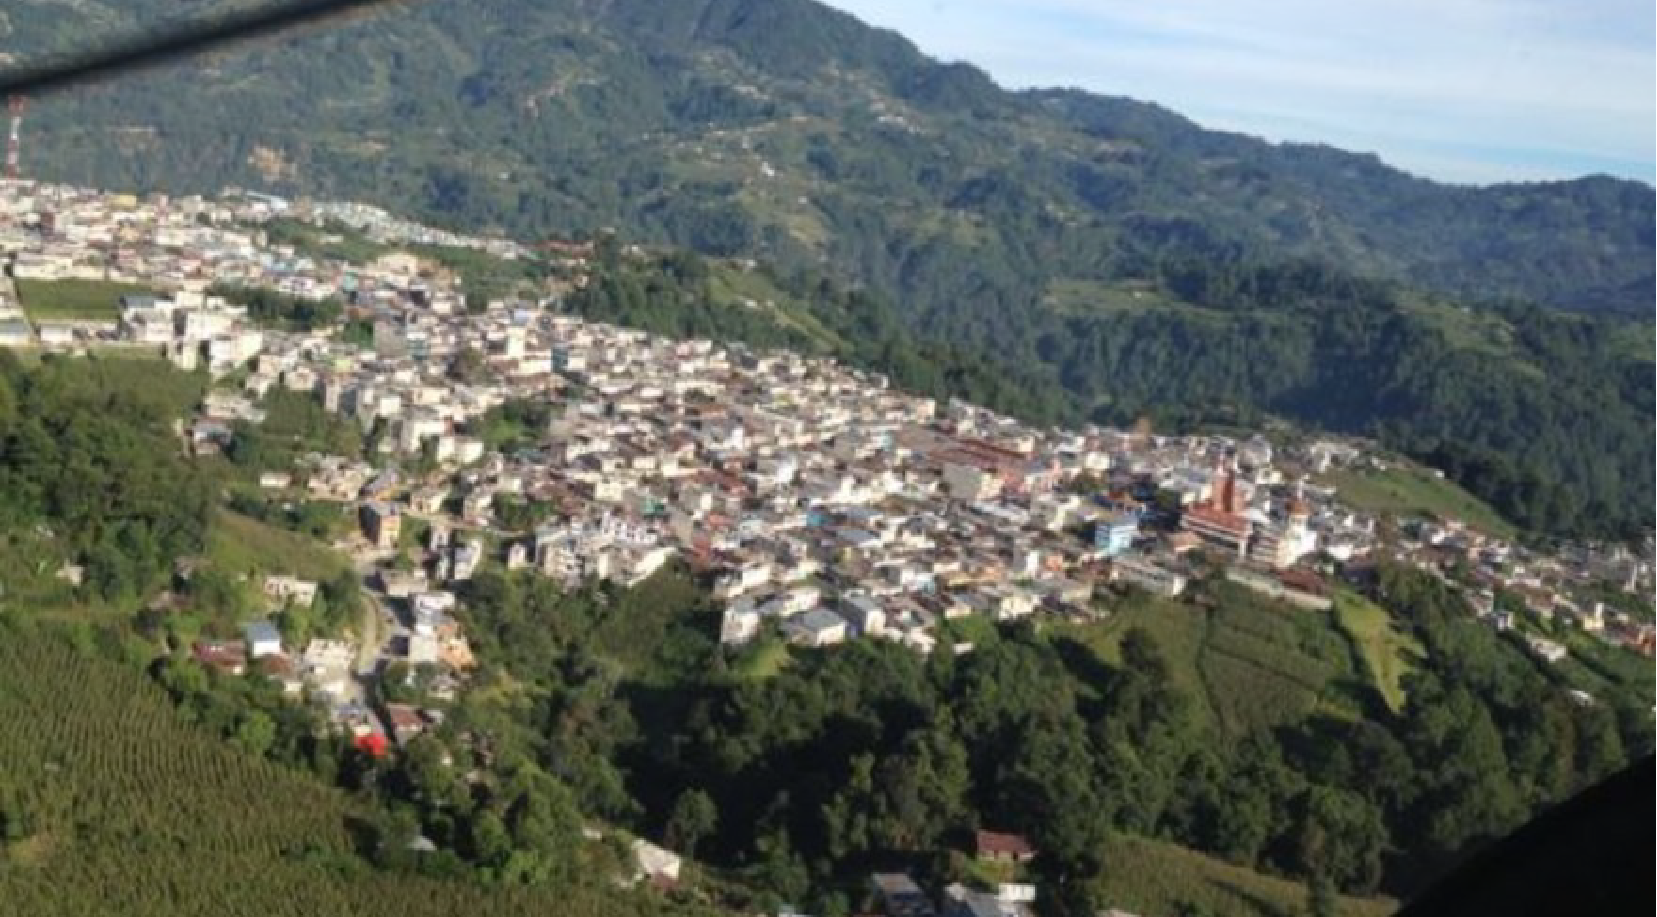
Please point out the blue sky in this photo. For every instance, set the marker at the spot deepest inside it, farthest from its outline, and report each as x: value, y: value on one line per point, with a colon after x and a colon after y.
x: 1457, y: 90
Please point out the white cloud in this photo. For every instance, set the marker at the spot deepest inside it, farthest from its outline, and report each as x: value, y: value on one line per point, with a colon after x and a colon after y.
x: 1528, y: 88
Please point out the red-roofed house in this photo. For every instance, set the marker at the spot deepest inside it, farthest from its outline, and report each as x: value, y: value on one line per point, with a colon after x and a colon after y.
x: 228, y: 658
x: 996, y: 847
x: 405, y: 721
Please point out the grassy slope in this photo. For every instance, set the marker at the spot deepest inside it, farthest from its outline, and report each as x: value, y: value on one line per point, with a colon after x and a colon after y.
x: 730, y: 285
x: 338, y: 242
x: 1247, y: 663
x: 90, y: 300
x: 240, y: 544
x: 1179, y: 630
x: 1408, y: 491
x: 1602, y: 670
x: 1386, y: 652
x: 1071, y: 296
x: 1154, y: 878
x: 764, y: 661
x: 137, y: 813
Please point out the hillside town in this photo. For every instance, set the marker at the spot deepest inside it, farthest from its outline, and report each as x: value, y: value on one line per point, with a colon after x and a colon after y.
x: 819, y: 504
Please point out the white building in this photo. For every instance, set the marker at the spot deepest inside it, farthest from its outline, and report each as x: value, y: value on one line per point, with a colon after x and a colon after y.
x: 817, y: 627
x: 292, y: 589
x: 738, y: 626
x: 1148, y: 575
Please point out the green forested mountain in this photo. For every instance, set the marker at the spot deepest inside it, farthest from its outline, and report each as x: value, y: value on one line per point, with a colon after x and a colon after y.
x: 1127, y: 260
x: 784, y: 129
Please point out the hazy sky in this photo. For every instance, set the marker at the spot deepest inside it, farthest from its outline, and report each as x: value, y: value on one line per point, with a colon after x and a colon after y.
x: 1459, y: 90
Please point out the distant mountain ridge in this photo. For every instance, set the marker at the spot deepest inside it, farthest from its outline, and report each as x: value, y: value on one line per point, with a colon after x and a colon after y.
x: 787, y: 130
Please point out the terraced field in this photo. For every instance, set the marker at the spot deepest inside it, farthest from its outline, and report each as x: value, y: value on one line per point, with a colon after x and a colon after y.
x: 111, y: 804
x: 1249, y: 662
x: 1152, y: 877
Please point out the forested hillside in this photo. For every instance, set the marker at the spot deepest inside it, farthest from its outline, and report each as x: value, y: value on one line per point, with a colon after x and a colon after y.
x: 1226, y: 723
x: 782, y: 128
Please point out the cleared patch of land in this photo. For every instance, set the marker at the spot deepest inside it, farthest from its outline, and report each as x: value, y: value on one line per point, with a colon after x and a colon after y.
x: 1152, y: 877
x: 338, y: 242
x: 240, y: 544
x: 1387, y: 653
x: 1403, y: 491
x: 1247, y: 661
x: 75, y: 300
x: 733, y: 286
x: 764, y: 661
x: 1073, y: 296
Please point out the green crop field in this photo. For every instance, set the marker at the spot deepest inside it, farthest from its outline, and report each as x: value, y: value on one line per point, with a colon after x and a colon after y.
x: 75, y: 300
x: 1072, y: 296
x: 1248, y: 662
x: 1387, y: 653
x: 112, y: 804
x: 1155, y: 878
x: 1416, y: 492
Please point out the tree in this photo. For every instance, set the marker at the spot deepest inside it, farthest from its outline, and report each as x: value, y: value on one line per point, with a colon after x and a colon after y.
x: 486, y: 842
x: 218, y: 593
x: 17, y: 820
x: 468, y: 366
x: 924, y: 789
x: 1339, y: 837
x: 693, y: 819
x: 342, y: 594
x: 1321, y: 899
x: 256, y: 732
x: 1048, y: 791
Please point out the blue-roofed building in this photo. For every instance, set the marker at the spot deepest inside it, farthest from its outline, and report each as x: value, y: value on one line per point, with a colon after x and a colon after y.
x: 1114, y: 534
x: 263, y: 639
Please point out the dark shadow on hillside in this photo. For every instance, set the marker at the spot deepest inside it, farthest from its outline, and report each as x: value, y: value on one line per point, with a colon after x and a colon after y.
x: 1260, y: 904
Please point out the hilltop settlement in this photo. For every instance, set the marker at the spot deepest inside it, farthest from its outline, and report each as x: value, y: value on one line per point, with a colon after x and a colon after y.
x: 818, y: 503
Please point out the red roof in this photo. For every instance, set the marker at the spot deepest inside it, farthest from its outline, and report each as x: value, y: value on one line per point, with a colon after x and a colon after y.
x: 1216, y: 518
x: 404, y: 716
x: 276, y: 666
x: 222, y: 656
x: 1303, y: 580
x: 372, y: 744
x: 992, y: 843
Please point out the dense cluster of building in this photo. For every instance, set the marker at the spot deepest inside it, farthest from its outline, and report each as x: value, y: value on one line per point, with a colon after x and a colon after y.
x: 825, y: 505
